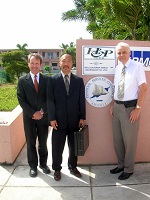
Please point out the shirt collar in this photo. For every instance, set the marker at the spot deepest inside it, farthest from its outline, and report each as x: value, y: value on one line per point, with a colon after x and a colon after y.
x: 65, y: 74
x: 32, y: 76
x: 127, y: 63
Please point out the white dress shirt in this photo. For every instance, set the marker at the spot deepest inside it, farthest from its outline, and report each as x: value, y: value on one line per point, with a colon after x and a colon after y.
x: 134, y: 77
x: 37, y: 77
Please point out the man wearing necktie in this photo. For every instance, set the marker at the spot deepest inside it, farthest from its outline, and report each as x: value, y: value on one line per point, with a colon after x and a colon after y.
x: 130, y: 89
x: 66, y: 113
x: 32, y: 97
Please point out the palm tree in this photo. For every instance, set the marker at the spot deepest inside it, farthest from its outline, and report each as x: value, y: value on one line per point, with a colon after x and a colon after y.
x: 23, y: 47
x: 128, y: 13
x: 64, y: 46
x: 146, y: 13
x: 113, y: 19
x: 80, y: 13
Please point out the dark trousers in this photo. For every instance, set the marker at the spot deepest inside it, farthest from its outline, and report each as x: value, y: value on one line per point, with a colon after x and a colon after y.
x: 33, y: 130
x: 58, y: 143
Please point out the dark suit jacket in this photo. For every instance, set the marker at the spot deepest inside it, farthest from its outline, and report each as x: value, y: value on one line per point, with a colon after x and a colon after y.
x: 66, y: 110
x: 29, y: 100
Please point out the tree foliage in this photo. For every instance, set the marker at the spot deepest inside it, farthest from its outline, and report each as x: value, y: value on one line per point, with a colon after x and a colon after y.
x: 47, y: 68
x: 113, y: 19
x: 15, y: 61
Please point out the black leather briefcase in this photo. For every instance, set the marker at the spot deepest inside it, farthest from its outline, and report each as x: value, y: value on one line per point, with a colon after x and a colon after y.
x: 81, y: 140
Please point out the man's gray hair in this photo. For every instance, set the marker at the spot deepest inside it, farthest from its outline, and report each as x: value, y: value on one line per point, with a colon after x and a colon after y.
x: 123, y: 44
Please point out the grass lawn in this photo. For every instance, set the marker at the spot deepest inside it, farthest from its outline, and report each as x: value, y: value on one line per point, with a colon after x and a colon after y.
x: 8, y: 97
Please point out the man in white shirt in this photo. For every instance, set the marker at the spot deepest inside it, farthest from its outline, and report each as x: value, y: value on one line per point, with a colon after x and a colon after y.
x: 129, y: 96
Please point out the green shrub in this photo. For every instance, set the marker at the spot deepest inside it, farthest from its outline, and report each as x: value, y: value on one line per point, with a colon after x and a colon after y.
x: 5, y: 77
x: 8, y: 97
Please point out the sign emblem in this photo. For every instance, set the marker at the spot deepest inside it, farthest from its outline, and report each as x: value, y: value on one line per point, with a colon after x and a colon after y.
x: 99, y: 91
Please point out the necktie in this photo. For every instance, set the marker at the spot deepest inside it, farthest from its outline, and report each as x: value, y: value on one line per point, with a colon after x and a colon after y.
x: 67, y: 83
x: 121, y: 84
x: 36, y: 83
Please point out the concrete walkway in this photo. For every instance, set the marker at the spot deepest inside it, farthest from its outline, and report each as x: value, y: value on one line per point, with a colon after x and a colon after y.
x: 96, y: 184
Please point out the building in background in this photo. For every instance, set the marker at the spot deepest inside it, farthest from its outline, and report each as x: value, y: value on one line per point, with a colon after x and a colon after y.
x: 50, y: 57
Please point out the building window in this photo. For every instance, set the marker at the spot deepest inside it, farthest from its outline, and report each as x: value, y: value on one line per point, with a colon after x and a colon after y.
x: 57, y: 54
x: 43, y: 54
x: 54, y: 64
x: 46, y: 63
x: 50, y: 55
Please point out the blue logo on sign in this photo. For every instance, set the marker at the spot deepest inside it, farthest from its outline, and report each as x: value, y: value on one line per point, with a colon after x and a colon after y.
x: 141, y: 56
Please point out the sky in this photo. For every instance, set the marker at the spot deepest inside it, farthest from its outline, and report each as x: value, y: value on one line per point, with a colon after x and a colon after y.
x: 38, y: 24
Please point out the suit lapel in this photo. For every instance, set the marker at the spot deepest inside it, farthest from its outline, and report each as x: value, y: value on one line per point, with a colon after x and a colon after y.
x: 29, y: 81
x: 61, y: 82
x: 72, y: 83
x: 40, y: 81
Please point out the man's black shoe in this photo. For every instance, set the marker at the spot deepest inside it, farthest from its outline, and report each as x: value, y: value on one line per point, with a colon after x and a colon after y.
x: 46, y: 169
x: 116, y: 170
x: 57, y: 175
x: 124, y: 176
x: 75, y: 172
x: 33, y: 172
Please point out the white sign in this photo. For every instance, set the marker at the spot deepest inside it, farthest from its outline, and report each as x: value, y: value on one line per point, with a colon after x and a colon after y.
x: 98, y: 60
x: 99, y: 91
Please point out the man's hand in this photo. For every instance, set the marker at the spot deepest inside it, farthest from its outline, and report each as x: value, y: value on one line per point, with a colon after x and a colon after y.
x: 37, y: 115
x: 134, y: 115
x: 81, y: 123
x: 54, y: 124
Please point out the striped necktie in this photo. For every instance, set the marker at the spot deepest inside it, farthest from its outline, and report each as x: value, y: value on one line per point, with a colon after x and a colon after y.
x: 66, y: 83
x: 121, y: 84
x: 36, y: 83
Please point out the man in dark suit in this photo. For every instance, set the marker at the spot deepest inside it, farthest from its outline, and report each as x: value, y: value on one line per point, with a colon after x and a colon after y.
x: 66, y: 113
x: 32, y: 97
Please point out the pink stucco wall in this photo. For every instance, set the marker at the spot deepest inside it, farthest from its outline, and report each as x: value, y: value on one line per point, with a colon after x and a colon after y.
x: 12, y: 137
x: 101, y: 149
